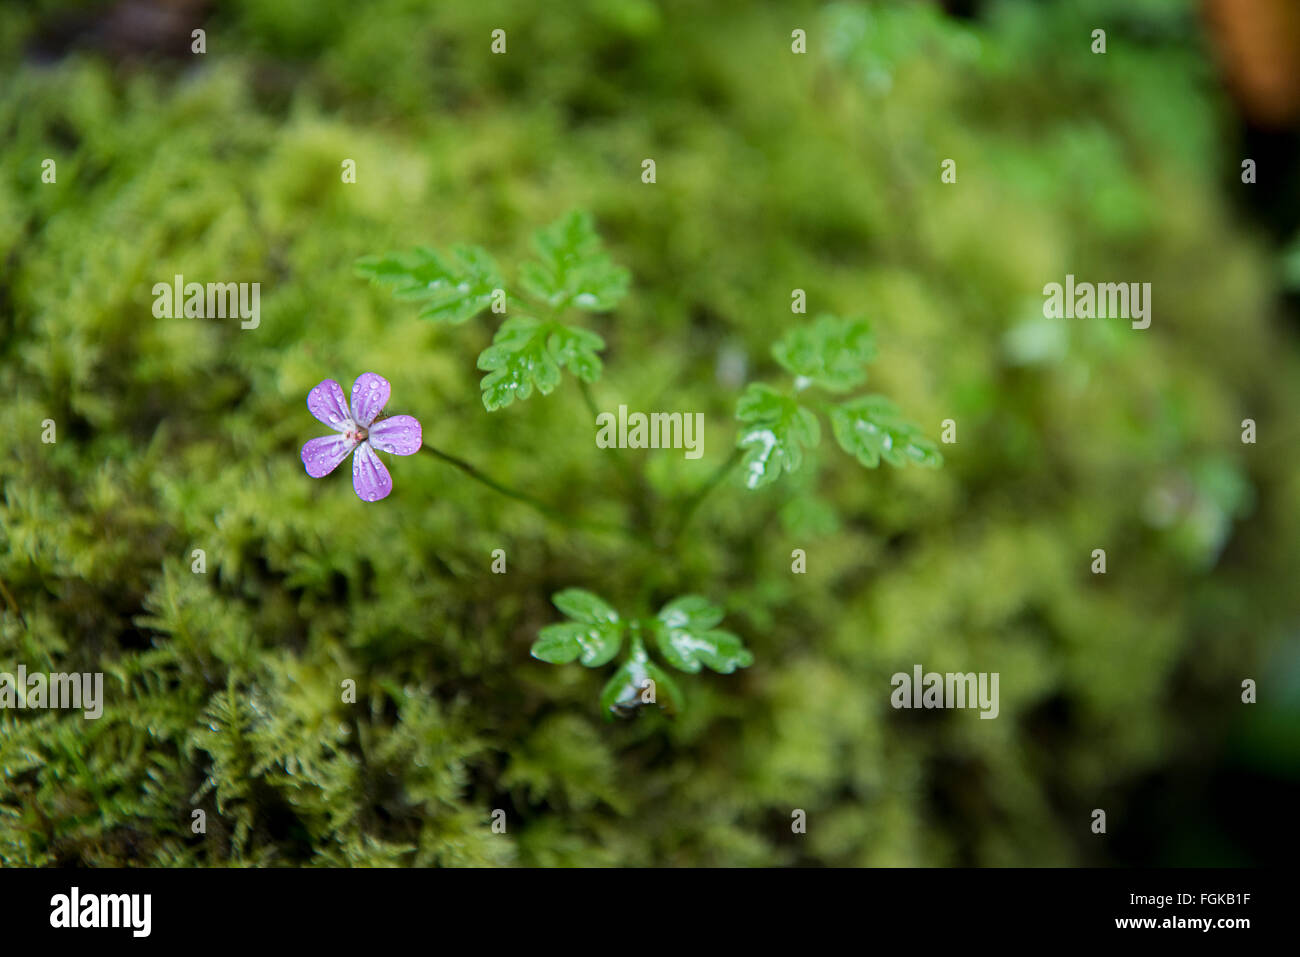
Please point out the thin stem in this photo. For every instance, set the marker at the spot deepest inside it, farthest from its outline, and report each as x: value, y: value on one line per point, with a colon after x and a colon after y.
x: 624, y: 466
x: 694, y: 502
x: 585, y: 388
x: 639, y: 497
x: 636, y: 644
x: 493, y: 484
x: 538, y: 505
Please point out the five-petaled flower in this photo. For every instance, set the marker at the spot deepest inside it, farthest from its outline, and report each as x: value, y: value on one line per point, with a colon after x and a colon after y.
x: 398, y: 434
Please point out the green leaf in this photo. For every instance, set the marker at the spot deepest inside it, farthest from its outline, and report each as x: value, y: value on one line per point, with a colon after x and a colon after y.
x: 593, y: 637
x: 830, y: 353
x: 870, y: 429
x: 575, y: 349
x: 527, y: 353
x: 687, y: 639
x: 626, y: 690
x: 517, y: 362
x: 684, y: 631
x: 776, y: 430
x: 454, y: 287
x: 582, y: 605
x: 593, y: 645
x: 574, y: 268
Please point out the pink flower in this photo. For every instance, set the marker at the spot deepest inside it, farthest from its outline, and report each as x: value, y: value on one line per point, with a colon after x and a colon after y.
x: 398, y: 434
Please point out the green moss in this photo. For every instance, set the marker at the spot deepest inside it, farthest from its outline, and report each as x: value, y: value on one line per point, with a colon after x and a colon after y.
x: 775, y: 172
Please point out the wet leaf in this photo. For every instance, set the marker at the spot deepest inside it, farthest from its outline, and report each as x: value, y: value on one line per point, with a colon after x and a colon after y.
x: 454, y: 287
x: 626, y: 691
x: 687, y: 638
x: 575, y: 349
x: 593, y: 637
x: 528, y: 354
x: 830, y: 352
x: 870, y: 429
x: 517, y: 362
x: 574, y: 268
x: 776, y: 429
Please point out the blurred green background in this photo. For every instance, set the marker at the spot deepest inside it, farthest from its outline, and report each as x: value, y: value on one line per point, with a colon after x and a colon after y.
x: 775, y: 171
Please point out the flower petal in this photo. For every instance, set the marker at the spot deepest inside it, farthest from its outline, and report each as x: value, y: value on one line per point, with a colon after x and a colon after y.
x: 322, y: 456
x: 369, y: 477
x: 398, y: 434
x: 327, y: 403
x: 369, y: 396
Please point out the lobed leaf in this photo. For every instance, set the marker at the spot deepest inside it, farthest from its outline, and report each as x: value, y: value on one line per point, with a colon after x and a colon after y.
x: 582, y: 605
x: 870, y: 428
x: 517, y: 362
x: 527, y: 353
x: 574, y: 268
x: 575, y: 349
x: 831, y: 352
x: 593, y: 637
x: 593, y: 645
x: 624, y: 692
x: 775, y: 432
x: 454, y: 287
x: 687, y: 639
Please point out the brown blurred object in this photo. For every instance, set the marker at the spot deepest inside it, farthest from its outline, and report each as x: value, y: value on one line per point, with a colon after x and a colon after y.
x: 124, y: 30
x: 1258, y: 45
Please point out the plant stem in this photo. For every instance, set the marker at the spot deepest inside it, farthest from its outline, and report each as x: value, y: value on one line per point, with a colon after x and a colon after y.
x: 624, y: 466
x: 694, y: 502
x: 492, y: 483
x: 538, y: 505
x: 585, y: 388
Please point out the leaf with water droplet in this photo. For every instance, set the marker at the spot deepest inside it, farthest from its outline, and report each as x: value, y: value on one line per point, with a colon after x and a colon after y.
x: 870, y: 428
x: 684, y: 631
x: 454, y: 286
x: 687, y: 638
x: 575, y: 349
x: 775, y: 431
x: 594, y: 636
x: 517, y: 362
x: 593, y: 645
x: 574, y: 269
x: 527, y: 354
x: 582, y: 605
x: 627, y: 690
x: 830, y: 352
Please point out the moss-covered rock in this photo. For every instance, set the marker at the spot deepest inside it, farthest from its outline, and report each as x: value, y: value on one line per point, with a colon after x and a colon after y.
x: 774, y: 171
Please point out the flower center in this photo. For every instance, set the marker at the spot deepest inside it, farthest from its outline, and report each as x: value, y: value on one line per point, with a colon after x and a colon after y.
x: 358, y: 434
